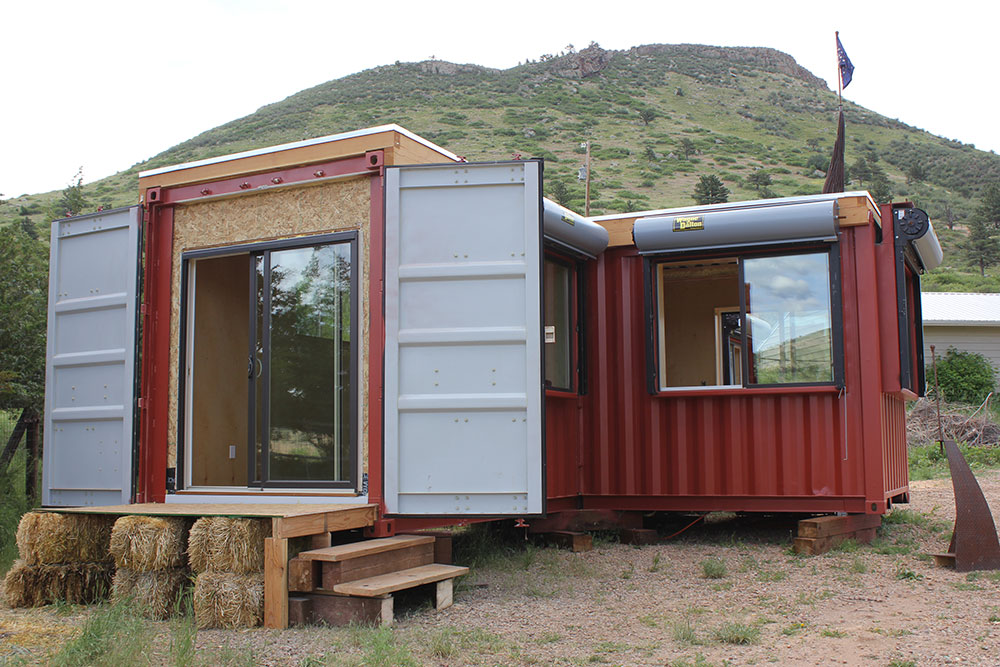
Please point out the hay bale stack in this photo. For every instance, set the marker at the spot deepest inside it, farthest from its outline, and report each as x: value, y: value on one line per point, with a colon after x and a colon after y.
x: 34, y: 585
x: 149, y: 543
x: 156, y: 594
x: 53, y: 538
x: 227, y: 544
x: 228, y: 600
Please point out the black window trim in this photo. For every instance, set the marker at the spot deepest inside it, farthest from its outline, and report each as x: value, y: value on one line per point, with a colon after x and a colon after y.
x: 652, y: 297
x: 252, y: 250
x: 578, y: 360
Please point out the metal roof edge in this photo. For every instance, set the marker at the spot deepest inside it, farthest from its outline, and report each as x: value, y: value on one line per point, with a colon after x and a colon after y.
x: 963, y: 323
x: 391, y: 127
x: 750, y: 203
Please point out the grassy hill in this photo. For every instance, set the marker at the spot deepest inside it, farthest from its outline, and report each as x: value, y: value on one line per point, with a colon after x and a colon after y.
x: 708, y: 110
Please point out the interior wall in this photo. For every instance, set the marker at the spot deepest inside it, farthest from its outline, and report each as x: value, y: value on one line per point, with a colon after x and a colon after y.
x: 274, y: 214
x: 688, y: 300
x: 219, y: 378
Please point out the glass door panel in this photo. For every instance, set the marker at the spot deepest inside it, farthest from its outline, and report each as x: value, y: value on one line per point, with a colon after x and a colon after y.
x: 300, y: 366
x: 309, y: 381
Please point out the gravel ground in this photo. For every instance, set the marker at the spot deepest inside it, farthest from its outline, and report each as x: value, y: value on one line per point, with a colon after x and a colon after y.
x: 879, y: 604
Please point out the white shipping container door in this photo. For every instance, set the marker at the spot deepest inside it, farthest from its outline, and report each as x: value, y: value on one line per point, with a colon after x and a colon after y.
x: 90, y: 359
x: 463, y: 353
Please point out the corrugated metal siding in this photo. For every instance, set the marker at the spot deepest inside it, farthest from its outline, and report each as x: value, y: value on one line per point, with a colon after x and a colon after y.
x: 896, y: 477
x: 635, y: 444
x: 563, y: 440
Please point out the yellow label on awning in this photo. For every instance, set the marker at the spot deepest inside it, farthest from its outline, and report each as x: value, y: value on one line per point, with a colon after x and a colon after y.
x: 690, y: 223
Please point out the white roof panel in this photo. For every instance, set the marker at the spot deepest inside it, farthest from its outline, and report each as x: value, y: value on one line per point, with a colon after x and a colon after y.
x: 961, y: 308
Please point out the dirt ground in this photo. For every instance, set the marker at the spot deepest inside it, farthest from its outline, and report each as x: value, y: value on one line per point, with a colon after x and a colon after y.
x: 880, y: 604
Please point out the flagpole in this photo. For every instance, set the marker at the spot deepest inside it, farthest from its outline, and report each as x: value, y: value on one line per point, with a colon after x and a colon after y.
x: 836, y: 50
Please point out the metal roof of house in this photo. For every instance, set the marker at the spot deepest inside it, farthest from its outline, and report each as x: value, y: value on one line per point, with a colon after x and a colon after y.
x: 961, y: 309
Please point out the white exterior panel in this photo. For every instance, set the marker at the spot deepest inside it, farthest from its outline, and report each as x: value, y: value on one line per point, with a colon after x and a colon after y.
x: 463, y: 376
x: 90, y: 359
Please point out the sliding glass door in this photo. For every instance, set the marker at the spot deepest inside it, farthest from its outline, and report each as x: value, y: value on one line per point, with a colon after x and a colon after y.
x: 301, y: 366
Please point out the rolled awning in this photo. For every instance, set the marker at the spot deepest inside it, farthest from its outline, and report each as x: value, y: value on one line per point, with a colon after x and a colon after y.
x: 572, y: 231
x: 706, y: 229
x: 914, y: 226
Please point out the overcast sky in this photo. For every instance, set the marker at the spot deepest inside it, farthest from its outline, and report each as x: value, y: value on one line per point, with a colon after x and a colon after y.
x: 108, y: 83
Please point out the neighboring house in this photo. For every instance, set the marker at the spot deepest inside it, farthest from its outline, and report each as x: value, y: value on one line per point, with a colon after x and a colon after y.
x: 964, y: 321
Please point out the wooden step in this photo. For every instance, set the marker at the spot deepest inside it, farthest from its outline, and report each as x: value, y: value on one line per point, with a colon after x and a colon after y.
x: 397, y: 581
x: 323, y: 569
x: 343, y: 552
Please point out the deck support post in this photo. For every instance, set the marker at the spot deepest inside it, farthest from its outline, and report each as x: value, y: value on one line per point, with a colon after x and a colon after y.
x: 276, y: 582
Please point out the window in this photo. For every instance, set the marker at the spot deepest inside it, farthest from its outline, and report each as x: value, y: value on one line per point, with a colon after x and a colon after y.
x: 271, y: 358
x: 559, y: 322
x: 746, y: 320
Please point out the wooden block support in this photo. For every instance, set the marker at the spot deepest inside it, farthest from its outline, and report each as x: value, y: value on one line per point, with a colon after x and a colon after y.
x: 275, y: 583
x: 304, y: 575
x: 639, y: 536
x: 568, y: 539
x: 442, y: 544
x: 814, y: 546
x: 444, y: 594
x: 338, y: 610
x: 825, y: 526
x: 300, y: 610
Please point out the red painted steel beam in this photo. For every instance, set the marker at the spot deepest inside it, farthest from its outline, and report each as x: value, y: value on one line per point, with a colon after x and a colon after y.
x: 361, y: 164
x: 156, y: 308
x: 871, y: 368
x: 376, y: 340
x: 154, y: 404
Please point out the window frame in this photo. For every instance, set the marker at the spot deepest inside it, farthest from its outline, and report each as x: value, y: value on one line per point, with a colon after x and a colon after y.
x: 263, y: 248
x: 577, y: 340
x: 653, y: 299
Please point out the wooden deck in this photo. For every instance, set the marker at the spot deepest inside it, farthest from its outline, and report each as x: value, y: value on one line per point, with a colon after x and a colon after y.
x: 287, y: 521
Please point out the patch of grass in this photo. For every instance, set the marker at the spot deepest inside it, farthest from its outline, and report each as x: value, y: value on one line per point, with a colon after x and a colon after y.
x: 908, y: 517
x: 966, y: 586
x: 650, y: 621
x: 737, y: 633
x: 548, y: 638
x: 903, y: 573
x: 793, y: 629
x: 994, y: 616
x: 713, y: 568
x: 836, y: 634
x: 899, y: 662
x: 183, y: 633
x: 628, y: 572
x: 698, y: 660
x: 885, y: 547
x: 773, y: 575
x: 722, y: 586
x: 858, y: 565
x: 380, y: 648
x: 655, y: 565
x: 113, y: 635
x: 684, y: 631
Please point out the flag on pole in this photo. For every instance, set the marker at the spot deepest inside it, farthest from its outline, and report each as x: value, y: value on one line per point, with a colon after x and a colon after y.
x: 846, y: 66
x: 835, y: 174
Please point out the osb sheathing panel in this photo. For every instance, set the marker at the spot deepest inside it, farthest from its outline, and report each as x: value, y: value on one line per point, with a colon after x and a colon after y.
x: 277, y: 214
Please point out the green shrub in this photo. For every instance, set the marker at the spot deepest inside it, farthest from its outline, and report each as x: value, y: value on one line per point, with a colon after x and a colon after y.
x: 964, y: 377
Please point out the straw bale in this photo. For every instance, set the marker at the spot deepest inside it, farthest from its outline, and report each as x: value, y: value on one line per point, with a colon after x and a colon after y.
x: 148, y: 543
x: 29, y: 585
x: 228, y: 544
x: 156, y: 594
x: 227, y: 600
x: 53, y: 538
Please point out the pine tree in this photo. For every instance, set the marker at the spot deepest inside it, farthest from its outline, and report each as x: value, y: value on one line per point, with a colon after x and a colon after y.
x: 981, y: 247
x: 710, y: 190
